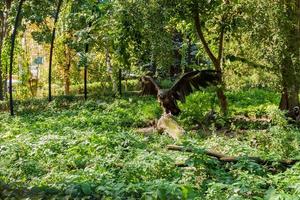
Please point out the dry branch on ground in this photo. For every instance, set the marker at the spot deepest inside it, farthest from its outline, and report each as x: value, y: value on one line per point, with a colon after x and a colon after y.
x: 225, y: 158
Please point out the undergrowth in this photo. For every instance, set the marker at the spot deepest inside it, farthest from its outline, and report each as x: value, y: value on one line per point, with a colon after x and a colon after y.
x: 76, y: 149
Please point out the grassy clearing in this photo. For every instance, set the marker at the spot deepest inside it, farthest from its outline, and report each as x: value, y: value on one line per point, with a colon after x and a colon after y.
x: 75, y: 149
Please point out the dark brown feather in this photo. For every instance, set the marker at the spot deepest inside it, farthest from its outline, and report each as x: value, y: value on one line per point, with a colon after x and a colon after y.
x: 184, y: 86
x: 149, y: 86
x: 194, y: 80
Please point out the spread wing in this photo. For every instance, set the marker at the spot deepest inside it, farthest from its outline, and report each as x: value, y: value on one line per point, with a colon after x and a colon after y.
x: 194, y: 80
x: 149, y: 86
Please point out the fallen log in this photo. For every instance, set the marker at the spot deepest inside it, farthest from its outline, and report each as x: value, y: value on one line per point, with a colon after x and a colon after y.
x: 224, y: 158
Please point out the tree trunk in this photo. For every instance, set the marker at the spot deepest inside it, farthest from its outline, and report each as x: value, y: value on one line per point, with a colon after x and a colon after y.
x: 85, y: 73
x: 284, y: 105
x: 290, y: 92
x: 3, y: 34
x: 13, y: 38
x: 1, y: 46
x: 120, y: 82
x: 5, y: 80
x: 67, y: 67
x: 220, y: 91
x: 51, y: 49
x: 217, y: 61
x: 85, y: 66
x: 290, y: 69
x: 67, y: 82
x: 223, y: 100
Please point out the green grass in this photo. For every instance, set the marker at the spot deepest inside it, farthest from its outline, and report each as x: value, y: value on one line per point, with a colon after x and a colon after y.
x: 72, y: 149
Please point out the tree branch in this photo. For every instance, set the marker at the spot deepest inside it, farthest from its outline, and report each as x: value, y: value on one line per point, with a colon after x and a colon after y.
x: 201, y: 36
x: 221, y: 42
x: 222, y: 33
x: 224, y: 158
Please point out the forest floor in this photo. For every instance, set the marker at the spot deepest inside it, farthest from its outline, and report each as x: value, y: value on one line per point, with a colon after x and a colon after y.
x: 76, y: 149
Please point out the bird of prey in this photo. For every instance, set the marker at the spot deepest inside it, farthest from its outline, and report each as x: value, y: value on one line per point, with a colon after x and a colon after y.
x: 189, y: 82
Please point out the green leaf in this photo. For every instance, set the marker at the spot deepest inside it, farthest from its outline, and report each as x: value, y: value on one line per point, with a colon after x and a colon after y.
x: 86, y: 188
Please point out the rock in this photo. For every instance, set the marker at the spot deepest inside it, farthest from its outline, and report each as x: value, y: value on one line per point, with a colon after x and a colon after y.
x: 168, y: 125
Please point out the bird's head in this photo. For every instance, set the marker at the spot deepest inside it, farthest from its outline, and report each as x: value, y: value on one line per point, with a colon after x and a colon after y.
x: 168, y: 101
x: 162, y: 94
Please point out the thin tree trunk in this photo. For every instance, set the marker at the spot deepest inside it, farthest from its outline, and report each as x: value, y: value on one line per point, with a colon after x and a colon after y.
x: 220, y: 91
x: 217, y: 61
x: 51, y: 49
x: 1, y: 46
x: 67, y: 81
x: 4, y: 28
x: 85, y: 73
x: 202, y: 38
x: 85, y: 68
x: 120, y: 82
x: 13, y: 37
x: 5, y: 80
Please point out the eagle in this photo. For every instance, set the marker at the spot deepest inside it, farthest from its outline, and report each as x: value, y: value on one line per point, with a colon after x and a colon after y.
x: 186, y: 84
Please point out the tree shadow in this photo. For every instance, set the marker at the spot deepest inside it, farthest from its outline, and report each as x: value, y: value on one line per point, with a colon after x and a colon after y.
x: 72, y: 191
x: 11, y: 191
